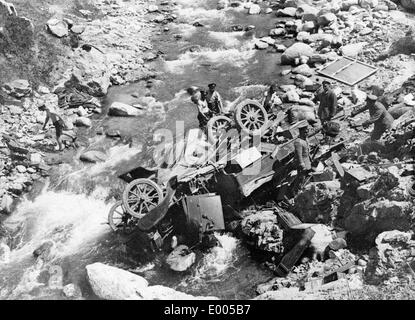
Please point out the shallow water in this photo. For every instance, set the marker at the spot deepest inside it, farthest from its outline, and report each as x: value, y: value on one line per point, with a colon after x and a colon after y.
x: 73, y: 210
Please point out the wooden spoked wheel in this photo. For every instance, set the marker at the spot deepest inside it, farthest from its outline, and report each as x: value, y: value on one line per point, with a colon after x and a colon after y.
x: 251, y: 117
x: 216, y: 126
x: 140, y: 196
x: 120, y: 220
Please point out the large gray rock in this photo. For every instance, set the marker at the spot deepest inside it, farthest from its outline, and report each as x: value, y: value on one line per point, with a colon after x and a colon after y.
x: 83, y: 122
x: 112, y: 283
x: 254, y: 9
x: 91, y: 71
x: 57, y: 27
x: 93, y: 156
x: 18, y: 88
x: 295, y: 52
x: 14, y: 29
x: 353, y: 49
x: 366, y: 217
x: 120, y: 109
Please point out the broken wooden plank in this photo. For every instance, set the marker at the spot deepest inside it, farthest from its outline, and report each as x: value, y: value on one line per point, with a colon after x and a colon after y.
x: 335, y: 158
x: 287, y: 219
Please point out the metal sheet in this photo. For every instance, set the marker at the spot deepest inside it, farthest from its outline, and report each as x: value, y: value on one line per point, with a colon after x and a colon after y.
x: 247, y: 157
x: 348, y: 70
x: 212, y: 215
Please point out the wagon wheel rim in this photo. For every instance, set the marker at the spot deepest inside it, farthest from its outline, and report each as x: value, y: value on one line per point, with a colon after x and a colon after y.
x: 217, y: 126
x: 141, y: 196
x: 119, y: 219
x: 252, y: 117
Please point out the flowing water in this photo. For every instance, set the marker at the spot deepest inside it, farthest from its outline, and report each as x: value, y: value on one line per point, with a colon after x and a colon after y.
x: 71, y: 208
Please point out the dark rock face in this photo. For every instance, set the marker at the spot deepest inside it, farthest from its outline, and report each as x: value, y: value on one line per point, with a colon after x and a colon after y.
x: 14, y: 30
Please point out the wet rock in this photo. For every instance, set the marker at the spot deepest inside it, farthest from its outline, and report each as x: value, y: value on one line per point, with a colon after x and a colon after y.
x: 152, y: 8
x: 277, y: 32
x: 120, y: 109
x: 261, y: 45
x: 4, y: 253
x: 57, y: 27
x: 44, y: 252
x: 295, y: 52
x: 112, y: 283
x: 83, y: 122
x: 78, y: 28
x: 287, y: 12
x: 93, y: 156
x: 291, y: 96
x: 72, y: 291
x: 309, y: 26
x: 56, y: 277
x: 254, y: 9
x: 18, y: 88
x: 303, y: 69
x: 6, y: 204
x: 181, y: 258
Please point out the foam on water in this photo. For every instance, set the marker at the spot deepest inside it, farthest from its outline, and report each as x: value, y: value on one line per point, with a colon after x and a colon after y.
x: 233, y: 57
x: 215, y: 263
x: 191, y: 15
x: 228, y: 39
x: 72, y: 221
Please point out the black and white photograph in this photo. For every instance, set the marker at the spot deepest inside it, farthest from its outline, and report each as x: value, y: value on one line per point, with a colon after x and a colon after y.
x: 210, y: 155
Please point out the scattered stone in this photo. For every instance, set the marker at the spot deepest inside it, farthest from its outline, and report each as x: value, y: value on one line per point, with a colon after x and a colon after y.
x: 18, y: 88
x: 254, y: 9
x: 57, y: 27
x: 120, y: 109
x: 295, y: 52
x: 83, y: 122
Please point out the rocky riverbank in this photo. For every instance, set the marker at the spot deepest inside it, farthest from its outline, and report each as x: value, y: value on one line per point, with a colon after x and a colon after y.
x: 103, y: 43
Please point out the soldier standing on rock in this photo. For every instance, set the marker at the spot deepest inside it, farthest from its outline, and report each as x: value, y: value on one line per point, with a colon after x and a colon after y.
x: 379, y: 116
x: 302, y: 154
x: 328, y: 103
x: 214, y: 100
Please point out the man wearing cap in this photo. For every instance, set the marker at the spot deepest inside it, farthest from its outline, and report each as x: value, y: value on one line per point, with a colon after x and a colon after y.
x: 302, y: 153
x: 214, y: 100
x: 379, y: 116
x: 328, y: 103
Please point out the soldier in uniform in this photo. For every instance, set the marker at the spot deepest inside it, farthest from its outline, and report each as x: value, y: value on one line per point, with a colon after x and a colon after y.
x: 379, y: 116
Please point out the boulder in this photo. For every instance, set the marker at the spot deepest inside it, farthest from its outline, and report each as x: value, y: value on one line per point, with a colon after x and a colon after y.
x: 152, y: 8
x: 181, y: 258
x: 291, y: 96
x: 93, y: 156
x: 352, y: 50
x: 112, y: 283
x: 57, y: 27
x: 83, y: 122
x: 254, y: 9
x: 91, y: 71
x: 72, y: 291
x: 326, y: 19
x: 366, y: 217
x: 295, y: 52
x: 4, y: 253
x: 277, y: 32
x: 18, y: 88
x: 120, y: 109
x: 303, y: 69
x: 368, y: 4
x: 78, y: 28
x: 309, y: 26
x: 6, y: 204
x: 261, y: 45
x: 307, y: 12
x: 287, y: 12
